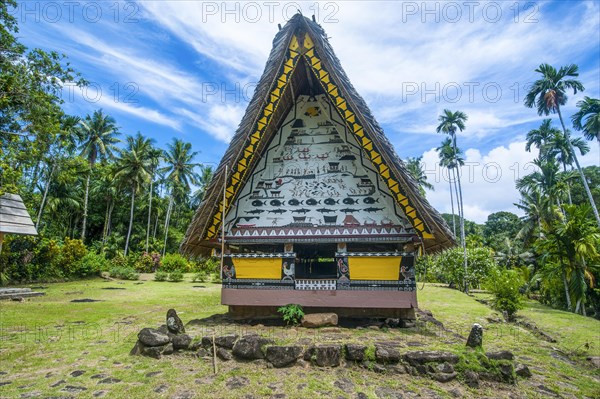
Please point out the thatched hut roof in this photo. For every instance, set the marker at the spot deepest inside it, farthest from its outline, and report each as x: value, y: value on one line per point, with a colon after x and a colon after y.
x: 303, y: 61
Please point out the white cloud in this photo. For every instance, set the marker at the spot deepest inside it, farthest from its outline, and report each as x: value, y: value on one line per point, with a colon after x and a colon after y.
x: 488, y: 179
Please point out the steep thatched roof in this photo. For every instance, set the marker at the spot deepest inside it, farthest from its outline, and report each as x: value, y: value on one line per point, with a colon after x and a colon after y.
x: 303, y: 61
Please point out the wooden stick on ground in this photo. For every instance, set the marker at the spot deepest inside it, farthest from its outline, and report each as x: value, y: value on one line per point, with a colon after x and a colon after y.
x: 214, y: 354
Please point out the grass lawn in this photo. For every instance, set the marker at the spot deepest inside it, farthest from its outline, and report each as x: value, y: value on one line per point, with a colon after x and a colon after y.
x: 45, y: 342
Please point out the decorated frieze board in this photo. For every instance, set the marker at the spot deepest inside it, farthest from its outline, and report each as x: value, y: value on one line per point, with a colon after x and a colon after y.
x: 346, y: 254
x: 357, y: 139
x: 321, y: 239
x: 273, y: 255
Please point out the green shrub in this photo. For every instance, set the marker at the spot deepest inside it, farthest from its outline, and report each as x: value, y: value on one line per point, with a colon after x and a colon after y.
x: 291, y: 313
x: 173, y: 262
x: 161, y: 276
x: 176, y: 276
x: 92, y: 263
x: 71, y: 254
x: 144, y: 263
x: 505, y: 285
x: 119, y: 261
x: 449, y: 266
x: 200, y: 277
x: 124, y: 273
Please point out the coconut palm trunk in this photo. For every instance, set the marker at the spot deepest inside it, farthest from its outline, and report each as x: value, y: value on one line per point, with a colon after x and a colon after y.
x: 85, y: 204
x: 167, y: 220
x: 452, y: 204
x: 130, y: 220
x: 149, y: 213
x: 566, y: 286
x: 581, y: 174
x: 41, y: 211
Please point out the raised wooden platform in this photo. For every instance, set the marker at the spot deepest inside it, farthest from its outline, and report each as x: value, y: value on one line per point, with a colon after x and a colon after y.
x: 10, y: 293
x: 247, y: 303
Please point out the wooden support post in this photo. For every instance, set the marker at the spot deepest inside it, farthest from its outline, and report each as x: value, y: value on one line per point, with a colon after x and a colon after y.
x: 223, y: 222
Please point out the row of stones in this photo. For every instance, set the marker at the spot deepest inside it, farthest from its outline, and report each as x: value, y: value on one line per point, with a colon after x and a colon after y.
x: 436, y: 364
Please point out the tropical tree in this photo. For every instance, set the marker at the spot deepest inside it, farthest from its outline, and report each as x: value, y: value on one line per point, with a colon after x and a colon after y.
x: 562, y: 147
x: 98, y: 136
x: 415, y: 168
x: 548, y: 94
x: 450, y: 122
x: 534, y: 205
x: 449, y: 158
x: 539, y: 137
x: 206, y: 176
x: 587, y: 119
x: 570, y: 249
x: 155, y: 155
x: 180, y: 175
x: 134, y: 168
x: 546, y: 179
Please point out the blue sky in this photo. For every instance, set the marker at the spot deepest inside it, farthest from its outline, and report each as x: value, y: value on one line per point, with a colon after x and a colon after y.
x: 187, y: 69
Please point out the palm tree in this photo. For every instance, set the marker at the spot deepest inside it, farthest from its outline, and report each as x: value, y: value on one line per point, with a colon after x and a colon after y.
x: 134, y: 167
x: 155, y: 156
x: 561, y: 147
x: 547, y: 180
x: 98, y: 138
x: 449, y: 159
x: 549, y: 94
x: 534, y: 205
x: 206, y: 176
x: 180, y: 175
x: 539, y: 137
x: 415, y: 169
x: 588, y: 118
x: 449, y: 123
x: 571, y: 251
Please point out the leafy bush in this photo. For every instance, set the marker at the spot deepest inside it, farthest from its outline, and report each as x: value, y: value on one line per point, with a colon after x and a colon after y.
x: 119, y: 261
x: 291, y: 313
x: 449, y: 266
x: 216, y: 278
x: 173, y: 262
x: 124, y: 273
x: 144, y: 263
x: 506, y: 285
x: 71, y: 254
x: 161, y: 276
x: 92, y: 263
x: 200, y: 277
x: 176, y: 276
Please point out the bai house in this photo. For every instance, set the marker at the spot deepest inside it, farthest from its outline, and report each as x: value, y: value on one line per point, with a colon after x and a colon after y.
x: 314, y: 205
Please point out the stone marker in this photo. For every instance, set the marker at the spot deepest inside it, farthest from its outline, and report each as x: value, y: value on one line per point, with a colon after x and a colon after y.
x: 152, y: 337
x: 315, y: 320
x: 174, y: 323
x: 475, y: 339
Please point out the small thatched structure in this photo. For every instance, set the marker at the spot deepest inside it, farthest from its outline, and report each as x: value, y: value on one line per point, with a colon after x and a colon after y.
x: 312, y: 175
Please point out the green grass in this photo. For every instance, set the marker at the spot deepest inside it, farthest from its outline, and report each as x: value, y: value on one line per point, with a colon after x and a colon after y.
x: 44, y: 339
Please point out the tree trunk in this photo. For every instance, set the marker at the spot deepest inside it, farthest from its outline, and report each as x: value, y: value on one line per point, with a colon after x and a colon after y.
x: 41, y: 211
x: 167, y: 220
x: 462, y: 218
x: 566, y: 286
x: 130, y: 220
x: 456, y: 193
x: 452, y: 204
x: 155, y: 227
x: 568, y: 185
x: 85, y: 204
x: 583, y: 179
x: 149, y: 213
